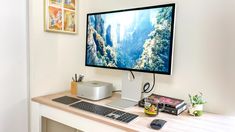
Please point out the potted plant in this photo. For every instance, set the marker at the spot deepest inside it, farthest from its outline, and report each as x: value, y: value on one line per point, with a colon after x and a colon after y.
x: 197, y: 102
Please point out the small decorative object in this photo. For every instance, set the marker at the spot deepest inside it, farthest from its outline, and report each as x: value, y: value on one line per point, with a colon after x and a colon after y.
x: 197, y: 102
x: 60, y: 16
x: 152, y: 106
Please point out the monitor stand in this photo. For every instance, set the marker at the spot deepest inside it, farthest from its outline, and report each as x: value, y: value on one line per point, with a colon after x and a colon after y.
x: 131, y: 91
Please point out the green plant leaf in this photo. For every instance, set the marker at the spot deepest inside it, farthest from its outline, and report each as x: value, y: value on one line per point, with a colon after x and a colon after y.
x: 197, y: 99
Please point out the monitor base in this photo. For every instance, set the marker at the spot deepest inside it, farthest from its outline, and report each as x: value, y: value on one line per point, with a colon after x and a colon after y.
x: 122, y: 103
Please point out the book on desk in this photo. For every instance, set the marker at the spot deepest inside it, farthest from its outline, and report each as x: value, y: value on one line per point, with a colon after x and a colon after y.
x: 167, y: 104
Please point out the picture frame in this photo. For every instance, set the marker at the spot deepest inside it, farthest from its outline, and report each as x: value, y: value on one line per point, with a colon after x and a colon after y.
x: 60, y: 16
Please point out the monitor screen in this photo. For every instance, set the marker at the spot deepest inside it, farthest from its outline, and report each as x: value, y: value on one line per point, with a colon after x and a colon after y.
x: 139, y: 39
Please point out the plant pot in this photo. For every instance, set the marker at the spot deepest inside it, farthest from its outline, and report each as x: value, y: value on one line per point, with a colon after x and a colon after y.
x: 196, y: 110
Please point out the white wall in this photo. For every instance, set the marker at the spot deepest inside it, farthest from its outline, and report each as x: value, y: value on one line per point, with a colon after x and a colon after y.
x: 204, y: 50
x: 54, y: 57
x: 203, y: 58
x: 13, y: 67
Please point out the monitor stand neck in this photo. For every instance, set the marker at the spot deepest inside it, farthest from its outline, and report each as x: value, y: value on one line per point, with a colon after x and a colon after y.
x: 132, y: 88
x: 131, y: 91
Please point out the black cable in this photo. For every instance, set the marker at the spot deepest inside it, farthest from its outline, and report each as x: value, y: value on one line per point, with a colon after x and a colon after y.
x: 146, y: 87
x: 132, y: 74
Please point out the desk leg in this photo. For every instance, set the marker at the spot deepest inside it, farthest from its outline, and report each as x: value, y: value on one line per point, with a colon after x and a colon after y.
x: 36, y: 119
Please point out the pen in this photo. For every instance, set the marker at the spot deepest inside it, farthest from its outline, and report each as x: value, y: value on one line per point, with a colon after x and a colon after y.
x: 76, y: 78
x: 80, y: 78
x: 73, y: 79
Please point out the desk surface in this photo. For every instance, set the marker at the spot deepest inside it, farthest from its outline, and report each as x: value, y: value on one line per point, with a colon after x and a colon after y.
x: 184, y: 122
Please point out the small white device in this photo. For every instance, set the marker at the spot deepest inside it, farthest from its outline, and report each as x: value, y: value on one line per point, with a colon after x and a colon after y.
x: 94, y: 90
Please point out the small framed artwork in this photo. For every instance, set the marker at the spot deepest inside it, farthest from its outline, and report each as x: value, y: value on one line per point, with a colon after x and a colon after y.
x: 60, y: 16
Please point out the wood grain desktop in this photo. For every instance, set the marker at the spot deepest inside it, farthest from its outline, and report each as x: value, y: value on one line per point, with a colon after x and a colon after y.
x: 207, y: 123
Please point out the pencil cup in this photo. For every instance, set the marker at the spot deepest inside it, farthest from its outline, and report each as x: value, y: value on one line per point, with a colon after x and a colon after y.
x: 73, y: 88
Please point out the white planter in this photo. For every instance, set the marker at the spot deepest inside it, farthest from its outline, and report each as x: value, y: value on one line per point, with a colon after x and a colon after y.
x: 195, y: 108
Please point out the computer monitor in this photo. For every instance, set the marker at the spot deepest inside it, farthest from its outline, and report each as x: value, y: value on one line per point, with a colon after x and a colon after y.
x: 139, y: 39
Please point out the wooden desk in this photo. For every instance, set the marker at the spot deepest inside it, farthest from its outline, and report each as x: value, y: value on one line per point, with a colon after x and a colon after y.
x: 88, y: 122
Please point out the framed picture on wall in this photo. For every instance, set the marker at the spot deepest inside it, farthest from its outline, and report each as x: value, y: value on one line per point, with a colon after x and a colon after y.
x: 60, y: 16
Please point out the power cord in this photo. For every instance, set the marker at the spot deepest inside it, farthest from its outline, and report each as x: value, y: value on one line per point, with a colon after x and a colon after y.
x: 132, y: 75
x: 146, y: 87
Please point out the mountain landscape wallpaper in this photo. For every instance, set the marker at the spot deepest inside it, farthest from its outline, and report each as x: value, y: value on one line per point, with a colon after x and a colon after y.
x: 134, y: 39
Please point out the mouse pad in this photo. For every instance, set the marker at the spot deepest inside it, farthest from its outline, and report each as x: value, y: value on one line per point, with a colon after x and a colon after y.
x: 66, y: 100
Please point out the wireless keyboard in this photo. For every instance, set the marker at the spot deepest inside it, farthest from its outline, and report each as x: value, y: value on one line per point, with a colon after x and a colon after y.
x: 105, y: 111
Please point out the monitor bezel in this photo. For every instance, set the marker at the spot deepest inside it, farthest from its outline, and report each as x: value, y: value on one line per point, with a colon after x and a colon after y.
x: 169, y: 72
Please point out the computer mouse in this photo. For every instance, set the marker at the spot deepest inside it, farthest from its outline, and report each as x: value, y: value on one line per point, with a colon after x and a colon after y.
x: 157, y: 124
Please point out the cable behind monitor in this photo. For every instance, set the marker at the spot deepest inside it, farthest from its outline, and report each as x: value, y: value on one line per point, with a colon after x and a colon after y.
x: 146, y: 87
